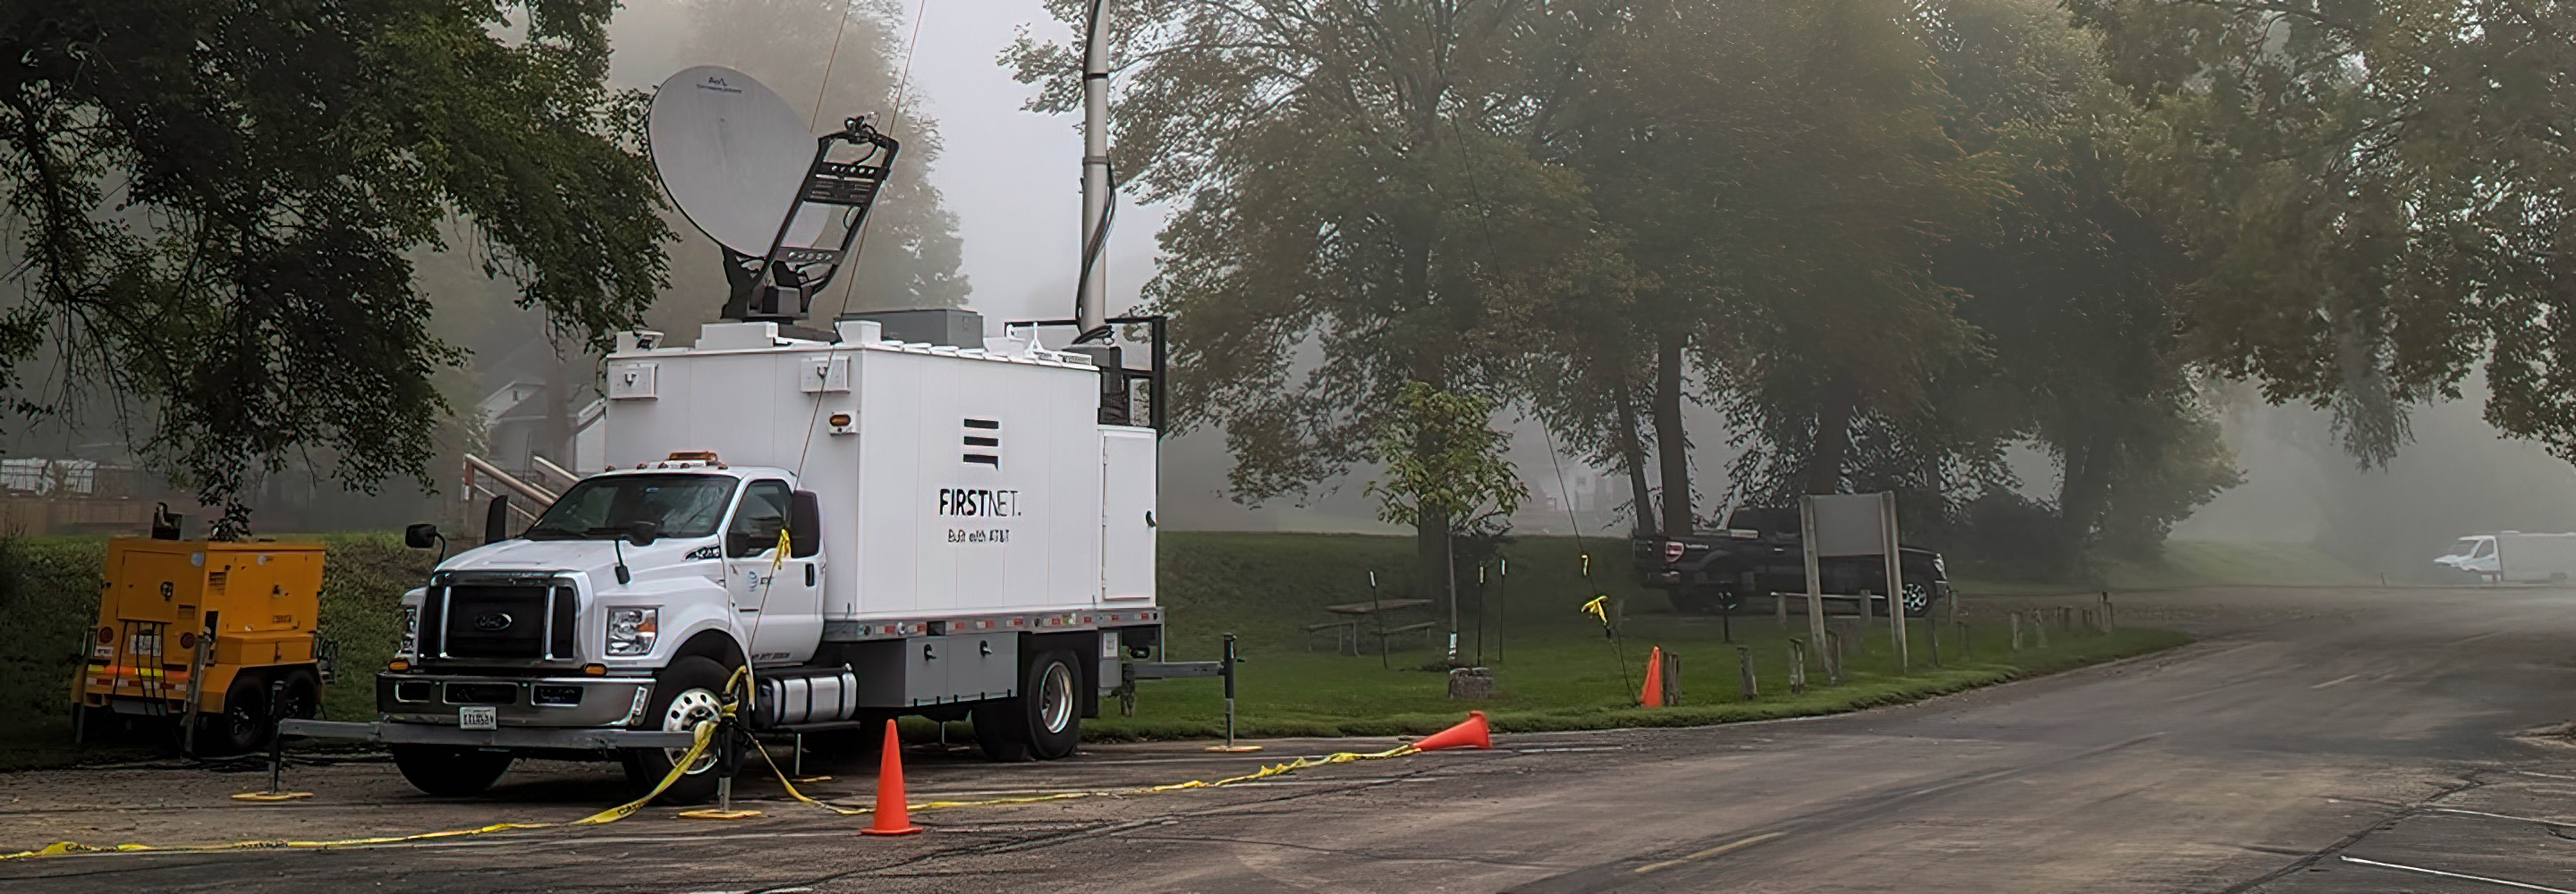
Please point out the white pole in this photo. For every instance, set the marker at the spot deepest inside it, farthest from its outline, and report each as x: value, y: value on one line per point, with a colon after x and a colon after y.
x: 1091, y: 304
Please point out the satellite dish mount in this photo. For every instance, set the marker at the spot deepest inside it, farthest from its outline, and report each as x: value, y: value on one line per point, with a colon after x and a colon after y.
x: 781, y: 285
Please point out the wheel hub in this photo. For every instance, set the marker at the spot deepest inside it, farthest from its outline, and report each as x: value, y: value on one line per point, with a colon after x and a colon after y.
x: 687, y: 710
x: 1055, y: 699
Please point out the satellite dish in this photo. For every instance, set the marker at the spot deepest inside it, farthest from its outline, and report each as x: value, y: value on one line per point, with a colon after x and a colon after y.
x: 732, y: 155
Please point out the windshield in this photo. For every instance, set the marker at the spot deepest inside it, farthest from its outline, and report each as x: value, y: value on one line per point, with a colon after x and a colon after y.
x: 2466, y: 546
x: 602, y: 508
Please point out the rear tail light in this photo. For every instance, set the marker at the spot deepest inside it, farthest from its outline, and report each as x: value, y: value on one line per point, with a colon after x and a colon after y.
x: 106, y: 635
x: 1672, y: 550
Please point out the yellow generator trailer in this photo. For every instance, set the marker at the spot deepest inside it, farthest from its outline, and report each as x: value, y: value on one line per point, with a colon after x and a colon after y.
x: 202, y: 633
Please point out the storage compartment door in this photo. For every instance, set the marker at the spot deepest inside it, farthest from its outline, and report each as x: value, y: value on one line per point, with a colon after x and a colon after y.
x: 1127, y: 514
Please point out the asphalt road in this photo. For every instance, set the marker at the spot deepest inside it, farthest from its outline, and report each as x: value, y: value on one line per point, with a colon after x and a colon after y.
x: 2313, y: 741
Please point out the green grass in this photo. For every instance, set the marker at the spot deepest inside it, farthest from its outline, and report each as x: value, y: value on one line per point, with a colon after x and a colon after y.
x: 1553, y: 667
x: 2199, y: 563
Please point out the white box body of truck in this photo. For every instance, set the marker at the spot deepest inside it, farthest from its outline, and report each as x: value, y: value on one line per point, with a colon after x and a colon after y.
x: 954, y: 481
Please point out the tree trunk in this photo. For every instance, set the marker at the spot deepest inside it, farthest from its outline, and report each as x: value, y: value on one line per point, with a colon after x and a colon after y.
x: 1632, y: 457
x: 1832, y: 444
x: 2088, y: 486
x: 1671, y: 445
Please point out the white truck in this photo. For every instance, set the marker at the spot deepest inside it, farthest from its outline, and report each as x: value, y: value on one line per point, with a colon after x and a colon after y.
x: 2514, y: 557
x: 871, y: 527
x: 818, y: 529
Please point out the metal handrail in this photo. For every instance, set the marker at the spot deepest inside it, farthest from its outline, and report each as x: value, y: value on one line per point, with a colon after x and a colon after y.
x: 548, y: 467
x: 543, y: 496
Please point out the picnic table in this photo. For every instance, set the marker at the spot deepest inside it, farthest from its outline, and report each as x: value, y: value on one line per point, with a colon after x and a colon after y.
x: 1348, y: 629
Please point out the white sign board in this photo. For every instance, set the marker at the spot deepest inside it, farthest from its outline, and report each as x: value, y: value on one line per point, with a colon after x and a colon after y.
x: 1851, y: 524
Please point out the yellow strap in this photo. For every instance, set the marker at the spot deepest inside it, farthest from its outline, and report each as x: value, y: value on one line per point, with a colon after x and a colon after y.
x: 705, y: 736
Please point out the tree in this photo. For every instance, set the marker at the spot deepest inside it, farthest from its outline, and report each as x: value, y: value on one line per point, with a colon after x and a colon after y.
x: 1822, y: 230
x: 216, y: 198
x: 1465, y: 482
x: 2377, y: 192
x: 1360, y: 209
x: 2072, y: 291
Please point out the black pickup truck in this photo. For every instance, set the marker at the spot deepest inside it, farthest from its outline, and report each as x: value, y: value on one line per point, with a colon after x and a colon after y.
x: 1759, y: 555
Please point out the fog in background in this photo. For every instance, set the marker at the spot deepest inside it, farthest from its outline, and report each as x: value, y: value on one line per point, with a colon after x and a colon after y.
x: 1010, y: 178
x: 2457, y: 477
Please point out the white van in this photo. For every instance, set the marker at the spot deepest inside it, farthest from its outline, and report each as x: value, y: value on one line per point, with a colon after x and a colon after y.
x: 2513, y: 556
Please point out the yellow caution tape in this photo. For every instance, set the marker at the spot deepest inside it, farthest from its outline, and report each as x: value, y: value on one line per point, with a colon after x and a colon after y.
x: 1599, y: 607
x: 1266, y: 772
x: 705, y: 734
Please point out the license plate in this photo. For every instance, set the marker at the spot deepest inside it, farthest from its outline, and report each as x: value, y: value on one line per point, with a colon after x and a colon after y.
x: 486, y: 717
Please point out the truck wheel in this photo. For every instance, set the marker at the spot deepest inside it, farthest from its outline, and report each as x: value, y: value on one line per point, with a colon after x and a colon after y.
x: 303, y: 694
x: 1052, y: 697
x: 243, y: 726
x: 689, y: 691
x: 1002, y: 730
x: 1918, y: 598
x: 449, y: 771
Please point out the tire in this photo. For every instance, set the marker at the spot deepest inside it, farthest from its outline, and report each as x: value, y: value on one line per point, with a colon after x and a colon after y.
x: 1044, y: 722
x: 242, y: 727
x: 448, y: 771
x: 1001, y: 729
x: 1918, y: 598
x: 690, y: 690
x: 303, y: 694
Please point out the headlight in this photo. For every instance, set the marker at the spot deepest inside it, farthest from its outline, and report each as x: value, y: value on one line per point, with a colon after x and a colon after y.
x: 631, y: 630
x: 411, y: 629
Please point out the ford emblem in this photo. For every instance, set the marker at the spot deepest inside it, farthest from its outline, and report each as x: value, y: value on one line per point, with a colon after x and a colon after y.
x: 492, y: 622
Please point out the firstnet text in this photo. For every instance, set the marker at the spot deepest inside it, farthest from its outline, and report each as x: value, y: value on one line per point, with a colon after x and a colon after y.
x: 962, y: 501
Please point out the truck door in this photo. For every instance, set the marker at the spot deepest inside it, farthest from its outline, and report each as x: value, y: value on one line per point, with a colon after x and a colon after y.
x: 775, y: 601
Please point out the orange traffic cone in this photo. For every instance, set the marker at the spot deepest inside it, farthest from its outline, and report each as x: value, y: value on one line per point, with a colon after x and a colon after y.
x: 1470, y: 734
x: 894, y: 817
x: 1653, y: 696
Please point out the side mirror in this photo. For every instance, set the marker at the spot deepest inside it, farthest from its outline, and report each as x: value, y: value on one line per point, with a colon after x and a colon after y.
x: 421, y: 536
x: 496, y: 520
x: 643, y: 533
x: 805, y: 524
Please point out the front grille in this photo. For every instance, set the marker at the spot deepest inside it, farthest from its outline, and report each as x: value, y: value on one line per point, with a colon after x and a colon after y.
x: 482, y: 693
x: 496, y: 622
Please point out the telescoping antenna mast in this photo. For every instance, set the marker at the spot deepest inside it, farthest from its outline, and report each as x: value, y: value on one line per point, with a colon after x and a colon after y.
x: 1091, y: 298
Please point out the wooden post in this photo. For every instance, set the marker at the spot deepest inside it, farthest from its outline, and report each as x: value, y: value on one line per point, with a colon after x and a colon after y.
x: 1815, y: 580
x: 2042, y: 631
x: 1895, y: 582
x: 1965, y: 655
x: 1862, y: 637
x: 1672, y: 679
x: 2016, y: 631
x: 1833, y: 657
x: 1744, y: 662
x: 1797, y: 666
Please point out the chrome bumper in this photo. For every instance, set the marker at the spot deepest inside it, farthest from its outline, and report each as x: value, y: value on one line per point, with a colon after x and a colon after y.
x: 433, y: 699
